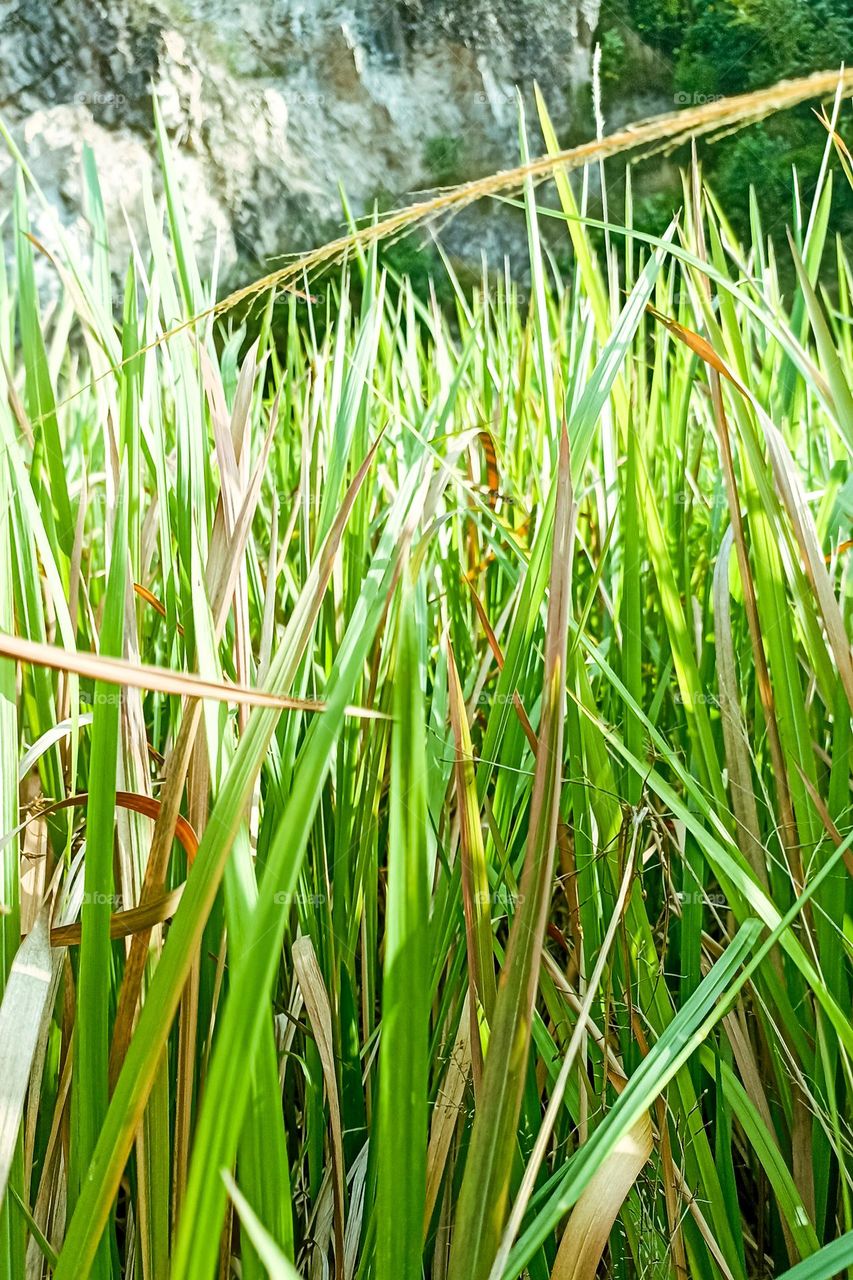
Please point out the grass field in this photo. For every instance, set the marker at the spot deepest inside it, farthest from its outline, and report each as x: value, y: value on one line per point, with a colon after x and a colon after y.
x: 426, y: 759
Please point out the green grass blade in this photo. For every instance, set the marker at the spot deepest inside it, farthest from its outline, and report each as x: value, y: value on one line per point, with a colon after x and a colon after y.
x: 403, y: 1065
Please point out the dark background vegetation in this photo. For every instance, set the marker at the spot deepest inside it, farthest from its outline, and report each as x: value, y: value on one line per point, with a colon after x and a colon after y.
x: 703, y: 48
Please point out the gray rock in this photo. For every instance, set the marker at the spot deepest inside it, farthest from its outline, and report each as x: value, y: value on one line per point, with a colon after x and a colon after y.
x: 270, y: 105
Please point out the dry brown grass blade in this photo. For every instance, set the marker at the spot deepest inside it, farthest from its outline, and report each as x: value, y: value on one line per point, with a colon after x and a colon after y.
x: 21, y: 1013
x: 124, y: 923
x: 839, y: 550
x: 18, y: 411
x: 497, y: 653
x: 139, y: 675
x: 663, y: 131
x: 146, y: 805
x: 156, y: 605
x: 596, y: 1211
x: 448, y: 1107
x: 493, y: 482
x: 735, y: 737
x: 320, y: 1017
x: 51, y: 1199
x: 843, y: 151
x: 618, y: 1080
x: 475, y: 880
x: 826, y: 818
x: 149, y: 914
x: 698, y: 345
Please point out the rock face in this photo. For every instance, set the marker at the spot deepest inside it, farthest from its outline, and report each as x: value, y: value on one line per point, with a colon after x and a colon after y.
x: 269, y: 104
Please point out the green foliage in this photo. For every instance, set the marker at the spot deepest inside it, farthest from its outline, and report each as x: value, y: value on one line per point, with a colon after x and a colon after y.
x: 660, y: 23
x: 613, y: 56
x: 731, y: 46
x: 444, y: 159
x: 513, y: 817
x: 721, y: 47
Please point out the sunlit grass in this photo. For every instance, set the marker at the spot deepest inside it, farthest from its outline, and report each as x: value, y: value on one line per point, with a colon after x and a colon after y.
x: 510, y: 934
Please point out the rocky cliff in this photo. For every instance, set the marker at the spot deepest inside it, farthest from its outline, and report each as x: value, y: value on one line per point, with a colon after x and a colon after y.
x: 271, y: 103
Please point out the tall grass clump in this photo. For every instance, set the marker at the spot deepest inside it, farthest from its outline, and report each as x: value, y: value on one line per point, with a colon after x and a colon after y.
x: 425, y: 738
